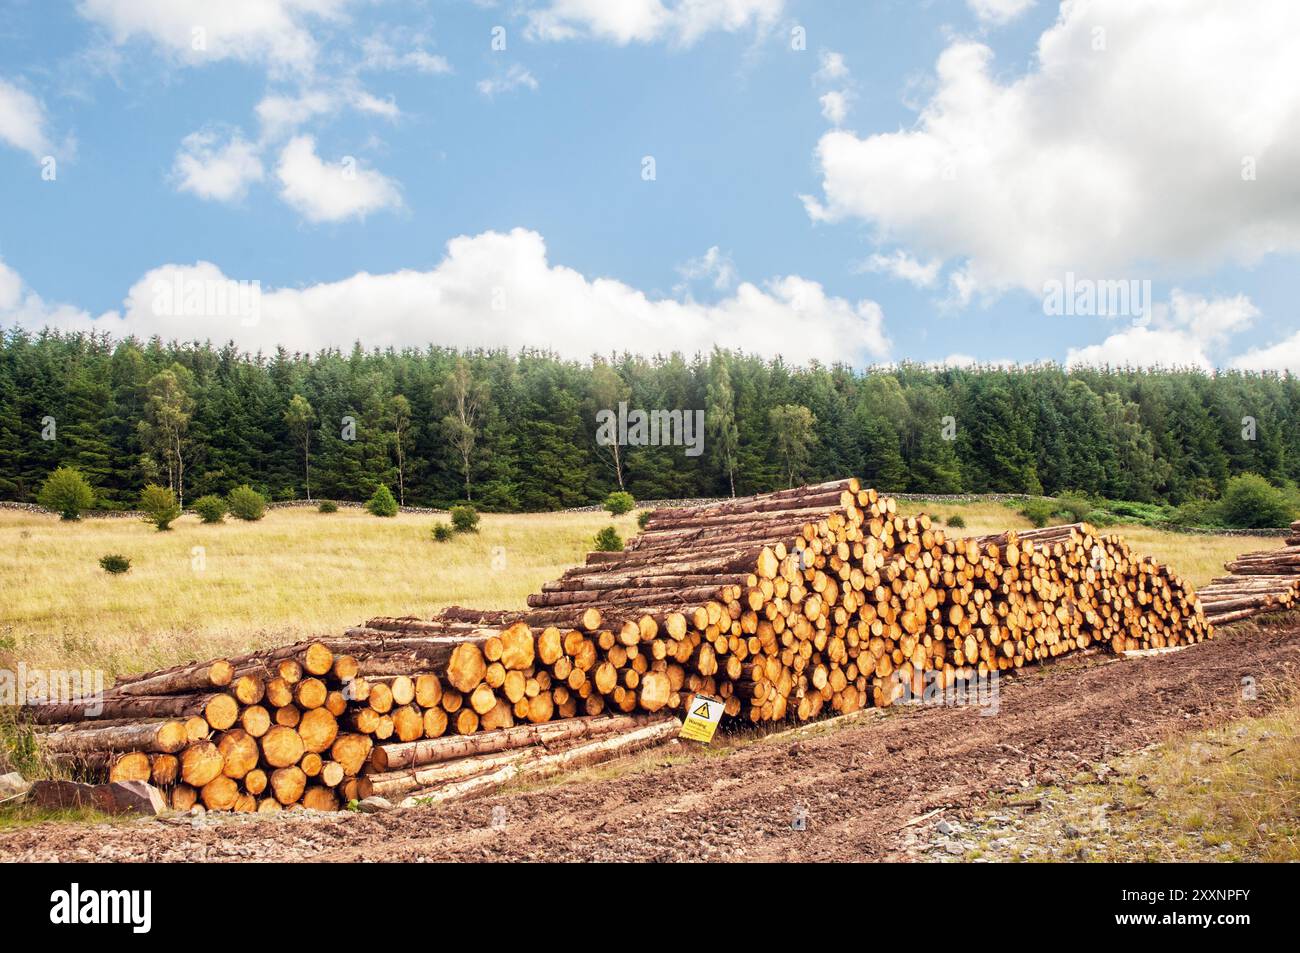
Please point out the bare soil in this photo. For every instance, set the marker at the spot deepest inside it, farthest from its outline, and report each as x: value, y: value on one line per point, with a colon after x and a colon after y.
x: 858, y: 791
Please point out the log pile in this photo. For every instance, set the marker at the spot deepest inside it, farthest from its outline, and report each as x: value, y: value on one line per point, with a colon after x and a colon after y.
x: 319, y: 724
x: 1266, y: 581
x: 824, y: 598
x: 784, y: 606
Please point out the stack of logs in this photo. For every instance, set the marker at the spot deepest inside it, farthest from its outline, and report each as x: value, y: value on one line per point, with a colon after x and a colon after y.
x: 785, y: 605
x: 319, y: 724
x: 825, y: 598
x: 1266, y: 581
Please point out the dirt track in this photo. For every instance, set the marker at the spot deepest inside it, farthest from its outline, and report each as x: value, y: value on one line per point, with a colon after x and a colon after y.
x: 857, y: 786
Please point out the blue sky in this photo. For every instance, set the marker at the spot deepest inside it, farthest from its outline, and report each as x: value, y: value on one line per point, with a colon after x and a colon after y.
x: 865, y: 182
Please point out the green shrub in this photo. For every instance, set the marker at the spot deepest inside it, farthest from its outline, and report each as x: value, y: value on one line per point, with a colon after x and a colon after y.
x: 956, y: 521
x: 619, y: 502
x: 1251, y: 502
x: 382, y: 502
x: 608, y: 541
x: 327, y: 506
x: 464, y: 518
x: 1100, y: 518
x: 66, y: 492
x: 1197, y: 513
x: 211, y: 509
x: 159, y: 506
x: 246, y: 503
x: 1038, y: 512
x: 1074, y: 506
x: 643, y: 517
x: 115, y: 563
x: 443, y: 532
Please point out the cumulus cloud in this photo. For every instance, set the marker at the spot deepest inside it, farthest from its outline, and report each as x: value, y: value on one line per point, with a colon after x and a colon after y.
x: 513, y: 78
x: 832, y: 68
x: 903, y: 266
x: 713, y: 266
x: 835, y: 106
x: 1180, y: 333
x: 647, y: 21
x: 321, y: 192
x: 499, y: 290
x: 212, y: 169
x: 998, y: 11
x: 1094, y: 161
x: 277, y: 33
x: 22, y: 121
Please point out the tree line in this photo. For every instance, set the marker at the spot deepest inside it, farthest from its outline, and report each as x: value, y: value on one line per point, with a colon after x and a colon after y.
x: 519, y: 432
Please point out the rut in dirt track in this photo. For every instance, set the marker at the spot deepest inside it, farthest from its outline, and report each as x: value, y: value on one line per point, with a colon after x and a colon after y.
x: 857, y: 786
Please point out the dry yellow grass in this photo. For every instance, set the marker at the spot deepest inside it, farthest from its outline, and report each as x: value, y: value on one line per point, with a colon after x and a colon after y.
x: 200, y: 591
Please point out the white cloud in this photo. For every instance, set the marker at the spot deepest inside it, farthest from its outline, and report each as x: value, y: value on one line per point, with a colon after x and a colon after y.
x: 22, y: 307
x: 713, y: 266
x: 998, y: 11
x: 1093, y: 162
x: 646, y: 21
x: 832, y: 67
x: 1282, y: 356
x: 22, y: 121
x: 11, y: 288
x: 274, y: 32
x: 378, y: 54
x: 1180, y: 333
x: 331, y: 193
x: 214, y: 170
x: 513, y: 78
x: 499, y: 290
x: 903, y: 266
x: 835, y: 106
x: 281, y: 113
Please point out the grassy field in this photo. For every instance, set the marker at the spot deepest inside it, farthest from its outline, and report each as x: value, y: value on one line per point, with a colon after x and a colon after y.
x: 201, y: 591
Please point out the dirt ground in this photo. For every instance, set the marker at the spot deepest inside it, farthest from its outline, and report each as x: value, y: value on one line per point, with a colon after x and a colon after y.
x: 854, y: 793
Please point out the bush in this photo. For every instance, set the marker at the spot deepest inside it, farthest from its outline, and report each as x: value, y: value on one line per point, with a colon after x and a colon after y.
x: 115, y: 563
x: 608, y: 540
x: 211, y: 509
x: 158, y: 503
x: 464, y: 518
x: 382, y: 502
x: 956, y: 521
x: 66, y: 492
x: 1100, y: 518
x: 1197, y: 513
x: 1075, y: 506
x: 643, y: 517
x: 1038, y: 512
x: 1251, y: 502
x: 327, y: 506
x: 619, y: 502
x: 246, y: 503
x: 443, y: 532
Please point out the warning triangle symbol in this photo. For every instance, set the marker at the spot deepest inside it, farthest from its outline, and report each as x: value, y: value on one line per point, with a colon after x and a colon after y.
x: 703, y: 710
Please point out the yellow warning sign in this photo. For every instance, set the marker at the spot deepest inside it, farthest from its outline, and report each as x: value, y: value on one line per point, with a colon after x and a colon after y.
x: 702, y: 717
